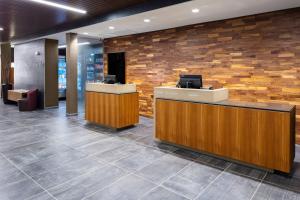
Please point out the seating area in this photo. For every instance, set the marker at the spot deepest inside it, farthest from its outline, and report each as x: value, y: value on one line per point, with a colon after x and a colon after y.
x: 26, y: 100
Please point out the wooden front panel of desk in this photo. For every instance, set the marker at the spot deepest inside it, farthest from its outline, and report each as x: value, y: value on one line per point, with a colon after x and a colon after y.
x: 112, y: 110
x: 255, y: 136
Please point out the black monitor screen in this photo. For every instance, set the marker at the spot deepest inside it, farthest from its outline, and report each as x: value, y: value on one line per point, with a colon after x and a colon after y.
x: 190, y: 81
x: 110, y: 79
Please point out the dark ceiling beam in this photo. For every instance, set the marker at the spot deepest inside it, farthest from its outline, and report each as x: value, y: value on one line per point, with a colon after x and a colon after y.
x: 132, y: 10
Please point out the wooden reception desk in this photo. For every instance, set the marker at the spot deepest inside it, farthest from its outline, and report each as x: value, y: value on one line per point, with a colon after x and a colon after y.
x: 260, y: 134
x: 112, y: 105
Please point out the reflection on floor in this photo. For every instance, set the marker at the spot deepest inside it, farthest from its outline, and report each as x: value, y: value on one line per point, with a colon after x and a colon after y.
x: 46, y: 155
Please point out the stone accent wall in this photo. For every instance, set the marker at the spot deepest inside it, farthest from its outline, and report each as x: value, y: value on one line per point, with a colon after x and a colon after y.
x: 256, y: 57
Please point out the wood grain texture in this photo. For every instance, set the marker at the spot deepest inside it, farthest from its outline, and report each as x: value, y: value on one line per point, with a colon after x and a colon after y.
x: 5, y: 61
x: 259, y: 137
x: 112, y: 110
x: 255, y: 57
x: 71, y: 58
x: 15, y: 95
x: 51, y: 75
x: 11, y: 76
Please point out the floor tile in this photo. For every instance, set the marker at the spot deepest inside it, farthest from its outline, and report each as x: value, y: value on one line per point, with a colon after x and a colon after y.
x: 11, y: 175
x: 87, y: 184
x: 296, y: 170
x: 229, y: 186
x: 102, y: 146
x: 41, y: 196
x: 8, y: 124
x: 70, y: 171
x: 150, y: 141
x: 247, y: 171
x: 187, y: 154
x: 183, y: 186
x: 270, y: 192
x: 14, y: 141
x: 163, y: 168
x: 34, y: 152
x: 162, y: 194
x: 76, y: 141
x: 131, y: 136
x: 290, y: 183
x: 192, y: 180
x: 137, y: 161
x: 200, y: 174
x: 119, y: 153
x: 75, y: 159
x: 130, y: 187
x: 20, y: 190
x: 53, y: 162
x: 213, y: 161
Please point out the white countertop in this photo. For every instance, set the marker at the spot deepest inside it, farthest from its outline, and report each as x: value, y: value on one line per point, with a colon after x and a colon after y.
x: 194, y: 95
x: 110, y: 88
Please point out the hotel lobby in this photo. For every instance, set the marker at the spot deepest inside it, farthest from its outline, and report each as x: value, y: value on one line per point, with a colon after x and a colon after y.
x: 154, y: 100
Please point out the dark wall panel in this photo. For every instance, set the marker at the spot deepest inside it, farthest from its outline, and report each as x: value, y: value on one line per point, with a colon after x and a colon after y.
x: 29, y: 59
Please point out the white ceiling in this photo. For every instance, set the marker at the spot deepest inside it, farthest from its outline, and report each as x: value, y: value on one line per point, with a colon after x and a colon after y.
x: 180, y: 15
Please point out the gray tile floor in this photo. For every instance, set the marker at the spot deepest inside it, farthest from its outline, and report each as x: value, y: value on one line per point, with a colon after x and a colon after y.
x: 45, y: 155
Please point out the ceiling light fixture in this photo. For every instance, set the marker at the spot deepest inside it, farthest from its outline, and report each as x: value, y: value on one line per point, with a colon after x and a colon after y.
x: 1, y: 29
x: 147, y: 20
x: 195, y: 10
x: 49, y: 3
x: 111, y: 28
x: 85, y: 33
x: 79, y: 44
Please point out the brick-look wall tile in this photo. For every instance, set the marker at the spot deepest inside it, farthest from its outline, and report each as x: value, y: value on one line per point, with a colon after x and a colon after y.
x: 256, y: 57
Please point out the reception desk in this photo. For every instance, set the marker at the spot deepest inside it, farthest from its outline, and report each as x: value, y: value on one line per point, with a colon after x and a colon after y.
x: 112, y: 105
x: 259, y: 134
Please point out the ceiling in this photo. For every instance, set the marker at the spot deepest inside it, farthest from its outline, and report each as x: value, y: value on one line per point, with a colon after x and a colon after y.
x: 179, y: 15
x: 24, y: 19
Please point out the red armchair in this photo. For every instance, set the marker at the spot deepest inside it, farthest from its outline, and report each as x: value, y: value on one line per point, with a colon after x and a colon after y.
x: 30, y: 103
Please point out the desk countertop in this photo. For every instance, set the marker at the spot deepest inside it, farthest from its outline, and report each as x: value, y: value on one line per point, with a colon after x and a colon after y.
x: 253, y: 105
x: 111, y: 88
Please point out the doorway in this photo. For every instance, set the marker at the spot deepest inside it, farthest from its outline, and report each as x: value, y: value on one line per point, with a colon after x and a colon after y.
x: 116, y: 66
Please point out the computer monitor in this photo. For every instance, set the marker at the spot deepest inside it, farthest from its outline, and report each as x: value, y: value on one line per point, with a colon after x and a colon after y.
x: 110, y: 79
x: 190, y: 81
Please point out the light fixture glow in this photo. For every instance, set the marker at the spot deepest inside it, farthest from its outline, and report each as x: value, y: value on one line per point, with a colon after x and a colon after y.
x: 147, y: 20
x: 1, y: 29
x: 79, y: 44
x: 111, y: 28
x: 195, y: 10
x: 85, y: 33
x: 49, y: 3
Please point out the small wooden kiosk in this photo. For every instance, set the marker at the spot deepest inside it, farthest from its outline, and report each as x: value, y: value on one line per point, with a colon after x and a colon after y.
x: 112, y: 105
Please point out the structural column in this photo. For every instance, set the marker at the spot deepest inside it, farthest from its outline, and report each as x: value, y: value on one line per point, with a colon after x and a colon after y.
x: 5, y: 63
x: 71, y: 54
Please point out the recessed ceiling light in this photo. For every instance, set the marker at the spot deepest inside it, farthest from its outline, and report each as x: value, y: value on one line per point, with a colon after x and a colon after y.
x: 1, y: 29
x: 62, y: 46
x: 85, y: 33
x: 83, y: 43
x: 147, y: 20
x: 79, y: 44
x: 57, y: 5
x: 195, y: 10
x: 111, y: 28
